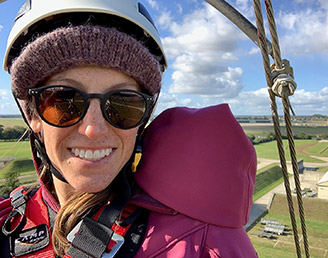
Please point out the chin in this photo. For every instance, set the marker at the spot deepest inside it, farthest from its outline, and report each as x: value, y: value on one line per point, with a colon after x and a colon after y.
x: 89, y: 187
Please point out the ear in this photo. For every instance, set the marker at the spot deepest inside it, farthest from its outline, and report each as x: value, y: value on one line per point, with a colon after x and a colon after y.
x: 36, y: 124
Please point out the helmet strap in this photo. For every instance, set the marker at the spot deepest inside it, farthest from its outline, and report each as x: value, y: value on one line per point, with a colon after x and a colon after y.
x: 42, y: 154
x: 40, y: 148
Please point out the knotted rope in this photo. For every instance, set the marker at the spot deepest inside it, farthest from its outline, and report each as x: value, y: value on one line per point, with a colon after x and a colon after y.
x: 280, y: 82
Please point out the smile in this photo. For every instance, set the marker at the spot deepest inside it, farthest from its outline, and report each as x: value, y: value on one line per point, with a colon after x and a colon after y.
x: 91, y: 155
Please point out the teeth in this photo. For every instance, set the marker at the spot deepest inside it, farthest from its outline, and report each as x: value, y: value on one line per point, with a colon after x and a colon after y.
x: 82, y: 152
x: 91, y: 155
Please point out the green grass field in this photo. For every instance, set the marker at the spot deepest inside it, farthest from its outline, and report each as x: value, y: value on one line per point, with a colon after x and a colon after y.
x: 12, y: 122
x: 263, y: 129
x: 269, y: 150
x: 267, y: 180
x: 21, y: 150
x: 283, y: 246
x: 320, y: 149
x: 22, y: 166
x: 259, y: 171
x: 322, y: 169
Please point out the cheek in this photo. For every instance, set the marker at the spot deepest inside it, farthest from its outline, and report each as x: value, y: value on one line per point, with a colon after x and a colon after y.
x: 129, y: 140
x: 54, y: 138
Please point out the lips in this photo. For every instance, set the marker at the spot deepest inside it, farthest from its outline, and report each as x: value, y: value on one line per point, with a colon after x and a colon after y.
x: 91, y: 154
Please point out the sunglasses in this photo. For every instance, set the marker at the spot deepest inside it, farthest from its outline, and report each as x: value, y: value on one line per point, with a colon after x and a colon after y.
x: 64, y: 106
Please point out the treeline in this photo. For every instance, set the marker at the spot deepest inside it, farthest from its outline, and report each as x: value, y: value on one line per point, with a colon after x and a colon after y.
x: 12, y: 133
x: 299, y: 136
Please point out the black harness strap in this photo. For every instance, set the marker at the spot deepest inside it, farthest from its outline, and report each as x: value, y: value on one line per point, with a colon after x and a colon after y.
x: 135, y: 235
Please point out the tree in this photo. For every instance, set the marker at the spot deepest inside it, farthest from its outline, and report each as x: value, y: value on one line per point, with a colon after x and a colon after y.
x: 252, y: 138
x: 1, y: 129
x: 323, y: 136
x: 270, y: 136
x: 12, y: 133
x: 11, y: 182
x: 302, y: 136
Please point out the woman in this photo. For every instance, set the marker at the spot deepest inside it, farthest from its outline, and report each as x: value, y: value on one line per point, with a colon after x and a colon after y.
x: 86, y: 77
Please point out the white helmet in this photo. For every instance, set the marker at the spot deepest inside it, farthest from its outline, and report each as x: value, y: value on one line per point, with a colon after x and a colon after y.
x: 39, y: 16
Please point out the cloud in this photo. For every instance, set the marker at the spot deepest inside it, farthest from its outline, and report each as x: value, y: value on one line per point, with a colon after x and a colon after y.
x: 180, y: 9
x: 205, y: 31
x: 254, y: 50
x: 316, y: 101
x: 1, y: 27
x: 7, y: 104
x: 8, y: 108
x: 190, y: 78
x: 245, y: 7
x: 164, y: 20
x: 253, y: 102
x: 306, y: 30
x: 250, y: 102
x: 153, y: 4
x: 166, y: 101
x: 200, y: 46
x: 303, y: 102
x: 4, y: 95
x: 324, y: 4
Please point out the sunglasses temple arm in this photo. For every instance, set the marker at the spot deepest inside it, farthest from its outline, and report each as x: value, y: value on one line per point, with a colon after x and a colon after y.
x: 152, y: 106
x: 23, y: 113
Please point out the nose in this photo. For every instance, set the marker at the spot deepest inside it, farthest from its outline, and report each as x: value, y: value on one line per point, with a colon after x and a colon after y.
x: 94, y: 124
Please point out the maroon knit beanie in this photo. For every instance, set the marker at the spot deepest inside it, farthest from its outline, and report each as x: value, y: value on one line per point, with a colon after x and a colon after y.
x: 83, y: 45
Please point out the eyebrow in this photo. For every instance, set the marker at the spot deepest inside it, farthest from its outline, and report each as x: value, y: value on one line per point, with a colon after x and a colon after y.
x: 81, y: 86
x: 63, y: 79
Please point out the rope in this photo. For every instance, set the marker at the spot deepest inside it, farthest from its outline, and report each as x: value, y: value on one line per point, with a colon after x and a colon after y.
x: 284, y: 86
x: 280, y: 82
x: 286, y: 105
x: 266, y: 62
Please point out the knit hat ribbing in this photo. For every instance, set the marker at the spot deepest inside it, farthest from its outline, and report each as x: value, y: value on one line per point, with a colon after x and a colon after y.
x: 83, y: 45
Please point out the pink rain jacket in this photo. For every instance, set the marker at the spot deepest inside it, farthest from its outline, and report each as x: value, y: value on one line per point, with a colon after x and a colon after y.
x: 200, y: 164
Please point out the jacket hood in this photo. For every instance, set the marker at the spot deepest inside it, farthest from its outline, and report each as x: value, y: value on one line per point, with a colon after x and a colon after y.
x: 199, y: 162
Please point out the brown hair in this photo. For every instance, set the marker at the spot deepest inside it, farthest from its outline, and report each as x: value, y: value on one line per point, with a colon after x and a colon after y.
x: 70, y: 213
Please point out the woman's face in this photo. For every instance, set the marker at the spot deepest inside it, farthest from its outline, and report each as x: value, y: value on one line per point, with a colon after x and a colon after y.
x: 64, y: 146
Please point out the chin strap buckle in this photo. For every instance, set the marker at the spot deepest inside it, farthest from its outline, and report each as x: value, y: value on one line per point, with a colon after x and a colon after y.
x: 137, y: 158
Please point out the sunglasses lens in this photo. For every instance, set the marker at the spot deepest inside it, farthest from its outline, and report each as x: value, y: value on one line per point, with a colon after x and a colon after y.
x: 125, y: 109
x: 61, y: 106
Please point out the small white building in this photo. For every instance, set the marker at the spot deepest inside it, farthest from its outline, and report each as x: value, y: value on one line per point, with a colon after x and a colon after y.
x: 323, y: 187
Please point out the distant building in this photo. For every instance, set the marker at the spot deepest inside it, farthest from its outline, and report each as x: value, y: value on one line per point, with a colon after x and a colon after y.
x: 300, y: 166
x: 323, y: 187
x: 253, y: 121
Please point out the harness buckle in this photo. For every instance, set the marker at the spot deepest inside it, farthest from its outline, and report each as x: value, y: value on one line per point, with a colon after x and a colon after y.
x: 18, y: 198
x: 118, y: 239
x: 18, y: 202
x: 119, y: 242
